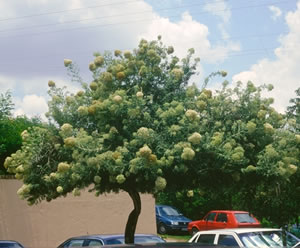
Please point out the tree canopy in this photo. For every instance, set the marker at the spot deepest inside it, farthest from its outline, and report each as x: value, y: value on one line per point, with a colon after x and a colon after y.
x: 11, y: 128
x: 140, y: 127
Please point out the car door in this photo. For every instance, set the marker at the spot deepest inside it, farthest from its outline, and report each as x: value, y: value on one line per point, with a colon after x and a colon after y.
x: 206, y: 239
x: 157, y: 215
x: 221, y: 221
x: 210, y: 221
x: 227, y: 240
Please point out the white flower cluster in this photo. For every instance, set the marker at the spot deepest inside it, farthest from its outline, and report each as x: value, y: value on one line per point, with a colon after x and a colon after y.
x: 160, y: 183
x: 188, y: 153
x: 195, y: 138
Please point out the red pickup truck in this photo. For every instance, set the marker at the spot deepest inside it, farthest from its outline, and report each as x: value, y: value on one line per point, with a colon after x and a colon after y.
x: 218, y: 219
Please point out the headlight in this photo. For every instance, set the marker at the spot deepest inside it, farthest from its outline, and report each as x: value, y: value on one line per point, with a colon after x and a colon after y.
x: 174, y: 223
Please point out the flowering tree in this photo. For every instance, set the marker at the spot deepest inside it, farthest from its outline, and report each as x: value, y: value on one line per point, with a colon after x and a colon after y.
x: 139, y: 127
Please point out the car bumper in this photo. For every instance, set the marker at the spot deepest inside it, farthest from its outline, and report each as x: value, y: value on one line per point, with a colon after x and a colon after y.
x: 177, y: 228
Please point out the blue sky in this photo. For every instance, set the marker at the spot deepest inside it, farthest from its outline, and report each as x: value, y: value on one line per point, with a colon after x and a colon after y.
x: 255, y: 40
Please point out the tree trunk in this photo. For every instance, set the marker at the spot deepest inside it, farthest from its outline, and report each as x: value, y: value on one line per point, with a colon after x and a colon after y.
x: 133, y: 216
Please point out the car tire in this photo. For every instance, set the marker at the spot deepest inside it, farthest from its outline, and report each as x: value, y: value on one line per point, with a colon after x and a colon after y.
x: 194, y: 231
x: 162, y: 229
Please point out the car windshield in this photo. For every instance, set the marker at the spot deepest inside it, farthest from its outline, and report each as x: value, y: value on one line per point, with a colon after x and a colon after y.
x: 244, y: 218
x: 148, y: 239
x: 267, y: 239
x: 137, y: 240
x: 10, y: 245
x: 169, y: 211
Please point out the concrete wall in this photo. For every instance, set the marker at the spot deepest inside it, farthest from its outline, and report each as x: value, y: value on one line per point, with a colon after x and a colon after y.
x: 46, y: 225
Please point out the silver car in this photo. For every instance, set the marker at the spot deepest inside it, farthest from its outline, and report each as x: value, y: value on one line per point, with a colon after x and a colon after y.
x: 246, y: 237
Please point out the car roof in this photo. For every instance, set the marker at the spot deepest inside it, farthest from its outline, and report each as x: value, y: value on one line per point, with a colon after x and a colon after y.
x: 161, y: 205
x: 240, y: 230
x: 109, y: 236
x: 162, y: 245
x: 8, y: 241
x: 230, y: 211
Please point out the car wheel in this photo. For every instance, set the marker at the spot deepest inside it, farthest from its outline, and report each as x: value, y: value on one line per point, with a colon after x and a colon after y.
x: 162, y: 229
x: 194, y: 231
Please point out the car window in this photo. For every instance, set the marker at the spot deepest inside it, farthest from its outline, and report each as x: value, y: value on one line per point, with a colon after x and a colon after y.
x: 227, y: 240
x: 115, y: 241
x: 276, y: 238
x: 210, y: 217
x: 93, y: 243
x: 206, y: 239
x: 221, y: 217
x: 169, y: 211
x: 257, y: 239
x: 75, y: 243
x: 244, y: 218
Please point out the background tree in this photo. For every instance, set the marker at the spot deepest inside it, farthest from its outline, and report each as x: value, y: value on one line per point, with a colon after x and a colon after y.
x: 6, y: 105
x: 273, y: 193
x: 139, y: 127
x: 199, y: 204
x: 11, y: 128
x: 10, y: 135
x: 293, y: 111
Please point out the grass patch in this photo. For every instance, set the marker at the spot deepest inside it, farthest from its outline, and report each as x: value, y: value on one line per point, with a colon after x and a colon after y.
x: 179, y: 238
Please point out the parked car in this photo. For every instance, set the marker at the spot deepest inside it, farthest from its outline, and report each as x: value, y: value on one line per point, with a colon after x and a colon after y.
x: 169, y: 219
x: 246, y: 237
x: 163, y: 245
x: 220, y: 219
x: 10, y: 244
x: 295, y: 229
x: 108, y: 239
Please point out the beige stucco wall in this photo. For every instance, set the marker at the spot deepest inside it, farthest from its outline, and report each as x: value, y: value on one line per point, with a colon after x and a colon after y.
x: 46, y: 225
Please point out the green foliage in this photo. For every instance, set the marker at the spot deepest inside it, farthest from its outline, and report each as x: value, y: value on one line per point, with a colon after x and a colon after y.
x: 139, y: 125
x: 6, y: 105
x: 10, y: 135
x: 11, y: 128
x: 262, y: 178
x: 202, y: 201
x: 293, y: 111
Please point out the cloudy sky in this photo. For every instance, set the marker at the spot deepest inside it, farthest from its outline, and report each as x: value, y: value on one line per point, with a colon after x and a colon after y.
x: 255, y: 40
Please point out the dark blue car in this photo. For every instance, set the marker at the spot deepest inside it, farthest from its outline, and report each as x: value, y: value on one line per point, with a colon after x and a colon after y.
x: 10, y: 244
x: 108, y: 239
x: 168, y: 219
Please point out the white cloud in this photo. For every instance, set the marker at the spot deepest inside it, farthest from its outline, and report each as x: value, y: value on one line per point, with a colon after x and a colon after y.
x: 283, y: 72
x: 6, y: 10
x: 219, y: 9
x: 31, y: 105
x: 276, y: 12
x: 91, y: 30
x: 30, y: 95
x: 6, y: 83
x: 188, y: 33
